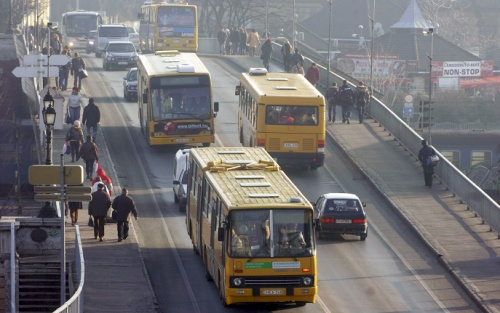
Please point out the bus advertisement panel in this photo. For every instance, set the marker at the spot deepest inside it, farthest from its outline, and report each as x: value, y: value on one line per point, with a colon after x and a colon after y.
x: 168, y: 26
x: 175, y: 100
x: 252, y: 226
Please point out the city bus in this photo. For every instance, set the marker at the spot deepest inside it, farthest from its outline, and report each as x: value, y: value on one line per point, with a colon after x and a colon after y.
x: 283, y: 113
x: 252, y: 227
x: 175, y: 99
x: 168, y: 26
x: 76, y: 25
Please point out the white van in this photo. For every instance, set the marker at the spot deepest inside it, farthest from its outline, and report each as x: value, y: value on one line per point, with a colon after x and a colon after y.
x: 107, y: 33
x: 181, y: 169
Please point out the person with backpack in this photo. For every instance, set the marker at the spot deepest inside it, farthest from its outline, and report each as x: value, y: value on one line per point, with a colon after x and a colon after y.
x: 332, y: 96
x: 362, y: 96
x: 346, y: 99
x: 425, y: 152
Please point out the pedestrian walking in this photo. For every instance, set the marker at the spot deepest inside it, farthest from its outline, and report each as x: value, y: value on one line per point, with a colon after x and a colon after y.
x: 286, y: 53
x: 346, y: 99
x: 98, y: 209
x: 75, y: 104
x: 95, y: 182
x: 253, y: 42
x: 313, y: 75
x: 297, y: 57
x: 332, y: 96
x: 73, y: 210
x: 362, y: 97
x: 77, y: 64
x: 222, y: 37
x: 89, y: 154
x: 74, y: 137
x: 235, y: 40
x: 266, y: 51
x: 425, y: 152
x: 123, y: 205
x: 64, y: 72
x: 298, y: 68
x: 243, y: 41
x: 91, y: 118
x: 102, y: 176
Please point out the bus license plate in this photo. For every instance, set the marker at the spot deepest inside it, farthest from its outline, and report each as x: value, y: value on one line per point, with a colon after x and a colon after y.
x: 182, y: 140
x: 341, y: 221
x: 291, y: 145
x: 272, y: 292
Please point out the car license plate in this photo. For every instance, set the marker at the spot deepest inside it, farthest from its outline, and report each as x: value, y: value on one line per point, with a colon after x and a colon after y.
x: 342, y: 221
x: 122, y: 63
x: 272, y: 292
x: 291, y: 145
x: 182, y: 140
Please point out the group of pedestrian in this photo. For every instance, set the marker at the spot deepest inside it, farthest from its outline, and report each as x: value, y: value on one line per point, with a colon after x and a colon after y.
x: 237, y: 41
x: 346, y: 97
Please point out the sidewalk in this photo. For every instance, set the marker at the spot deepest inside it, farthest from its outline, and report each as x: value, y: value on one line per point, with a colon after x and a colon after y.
x: 115, y: 275
x: 467, y: 248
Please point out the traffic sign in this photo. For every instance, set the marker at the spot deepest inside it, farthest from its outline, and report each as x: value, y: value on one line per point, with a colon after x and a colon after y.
x: 41, y: 59
x: 23, y: 71
x: 42, y: 197
x: 409, y: 98
x: 51, y: 174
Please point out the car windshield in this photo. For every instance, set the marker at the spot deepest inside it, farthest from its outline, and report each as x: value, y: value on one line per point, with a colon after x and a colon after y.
x: 113, y: 32
x: 121, y: 47
x: 91, y: 35
x: 341, y: 205
x: 133, y: 75
x: 271, y: 233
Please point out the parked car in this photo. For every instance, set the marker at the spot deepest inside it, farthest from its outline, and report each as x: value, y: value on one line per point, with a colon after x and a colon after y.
x: 130, y: 84
x: 181, y: 170
x: 119, y: 54
x: 91, y: 41
x: 341, y: 213
x: 133, y: 36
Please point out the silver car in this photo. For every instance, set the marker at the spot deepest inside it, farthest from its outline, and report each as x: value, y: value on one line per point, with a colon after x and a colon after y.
x: 119, y: 54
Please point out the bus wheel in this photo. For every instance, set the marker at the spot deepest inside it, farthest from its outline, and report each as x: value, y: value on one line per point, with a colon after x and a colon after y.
x: 206, y: 144
x: 241, y: 137
x: 207, y: 275
x: 223, y: 300
x: 250, y: 143
x: 299, y: 304
x: 314, y: 167
x: 195, y: 250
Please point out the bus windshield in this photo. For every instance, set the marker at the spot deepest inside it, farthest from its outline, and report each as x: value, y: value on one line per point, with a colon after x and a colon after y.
x: 271, y: 233
x: 181, y: 103
x: 176, y: 17
x: 80, y: 25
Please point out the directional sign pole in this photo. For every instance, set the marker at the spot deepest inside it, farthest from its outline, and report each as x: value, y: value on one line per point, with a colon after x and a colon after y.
x: 63, y: 235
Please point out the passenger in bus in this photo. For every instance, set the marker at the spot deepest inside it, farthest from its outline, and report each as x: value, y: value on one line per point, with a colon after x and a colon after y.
x: 308, y: 119
x: 272, y: 115
x: 240, y: 242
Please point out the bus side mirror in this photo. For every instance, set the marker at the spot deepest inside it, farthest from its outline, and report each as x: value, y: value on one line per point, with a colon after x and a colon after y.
x: 317, y: 224
x: 237, y: 90
x: 220, y: 234
x: 216, y: 108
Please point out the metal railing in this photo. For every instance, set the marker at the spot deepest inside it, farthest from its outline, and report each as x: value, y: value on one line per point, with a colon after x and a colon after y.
x: 75, y: 303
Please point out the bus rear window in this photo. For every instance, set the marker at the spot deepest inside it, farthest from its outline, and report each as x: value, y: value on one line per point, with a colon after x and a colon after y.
x: 291, y: 114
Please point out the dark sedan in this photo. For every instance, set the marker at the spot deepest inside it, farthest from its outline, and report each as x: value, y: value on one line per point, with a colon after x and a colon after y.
x: 341, y: 213
x: 130, y: 84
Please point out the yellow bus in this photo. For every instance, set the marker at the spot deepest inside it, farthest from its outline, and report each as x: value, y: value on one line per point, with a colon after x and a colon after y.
x: 175, y: 99
x: 283, y: 113
x: 168, y: 26
x: 252, y: 227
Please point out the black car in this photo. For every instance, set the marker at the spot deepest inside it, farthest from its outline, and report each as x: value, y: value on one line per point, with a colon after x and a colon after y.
x: 91, y: 42
x: 341, y: 213
x: 130, y: 84
x: 120, y: 54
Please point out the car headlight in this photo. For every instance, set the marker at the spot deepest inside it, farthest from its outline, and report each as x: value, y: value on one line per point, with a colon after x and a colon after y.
x: 133, y: 87
x: 237, y: 281
x: 109, y: 58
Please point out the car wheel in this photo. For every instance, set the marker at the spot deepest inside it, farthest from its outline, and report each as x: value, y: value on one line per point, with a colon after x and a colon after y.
x: 127, y: 97
x: 362, y: 237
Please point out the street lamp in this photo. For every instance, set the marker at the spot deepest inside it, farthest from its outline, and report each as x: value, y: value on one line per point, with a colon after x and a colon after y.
x: 49, y: 118
x: 294, y: 17
x: 430, y: 32
x: 329, y: 43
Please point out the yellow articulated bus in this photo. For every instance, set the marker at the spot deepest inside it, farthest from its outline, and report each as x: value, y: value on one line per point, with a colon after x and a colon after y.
x: 252, y: 227
x: 174, y: 96
x: 168, y: 26
x: 283, y: 113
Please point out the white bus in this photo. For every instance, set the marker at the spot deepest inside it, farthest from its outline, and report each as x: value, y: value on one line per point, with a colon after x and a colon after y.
x: 76, y: 25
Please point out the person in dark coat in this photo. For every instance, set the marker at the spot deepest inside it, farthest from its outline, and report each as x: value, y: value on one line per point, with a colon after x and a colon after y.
x: 91, y: 118
x: 76, y: 63
x: 98, y: 209
x: 346, y: 100
x: 267, y: 50
x: 89, y: 154
x: 74, y: 137
x: 332, y: 96
x: 243, y: 41
x: 286, y: 52
x: 297, y: 57
x: 425, y: 152
x: 123, y: 205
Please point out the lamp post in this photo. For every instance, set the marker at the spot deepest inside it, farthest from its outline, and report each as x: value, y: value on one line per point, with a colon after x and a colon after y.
x: 372, y: 43
x: 329, y: 43
x: 430, y: 32
x: 267, y: 20
x: 49, y: 118
x: 293, y: 25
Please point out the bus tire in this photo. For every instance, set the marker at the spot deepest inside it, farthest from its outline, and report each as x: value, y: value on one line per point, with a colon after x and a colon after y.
x: 299, y: 304
x: 207, y: 275
x: 314, y: 167
x: 250, y: 143
x: 206, y: 144
x: 241, y: 137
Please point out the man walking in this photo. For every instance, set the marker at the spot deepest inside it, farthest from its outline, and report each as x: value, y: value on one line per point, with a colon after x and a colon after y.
x: 346, y: 99
x: 362, y: 96
x: 425, y: 152
x: 89, y: 154
x: 123, y: 205
x: 91, y: 118
x: 98, y: 208
x: 332, y: 95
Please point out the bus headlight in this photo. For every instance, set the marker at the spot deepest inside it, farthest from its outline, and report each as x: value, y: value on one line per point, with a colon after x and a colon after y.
x: 306, y: 281
x: 237, y: 281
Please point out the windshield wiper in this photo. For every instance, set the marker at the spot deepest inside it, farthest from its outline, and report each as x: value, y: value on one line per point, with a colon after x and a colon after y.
x: 254, y: 255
